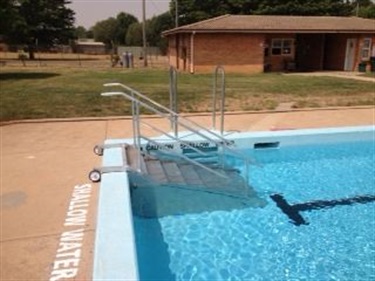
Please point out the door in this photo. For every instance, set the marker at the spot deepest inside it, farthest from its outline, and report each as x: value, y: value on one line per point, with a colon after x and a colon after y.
x: 350, y: 54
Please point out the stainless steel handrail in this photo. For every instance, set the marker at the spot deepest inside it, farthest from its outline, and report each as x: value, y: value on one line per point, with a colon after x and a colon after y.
x: 139, y: 99
x: 173, y: 98
x: 173, y: 138
x: 218, y: 69
x: 181, y: 120
x: 220, y: 142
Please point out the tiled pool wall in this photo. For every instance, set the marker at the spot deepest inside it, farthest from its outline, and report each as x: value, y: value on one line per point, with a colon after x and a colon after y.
x: 115, y: 255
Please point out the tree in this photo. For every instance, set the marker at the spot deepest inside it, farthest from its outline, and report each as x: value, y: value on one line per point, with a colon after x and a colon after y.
x: 134, y: 35
x: 38, y: 22
x: 123, y: 22
x: 305, y: 7
x: 196, y: 10
x: 156, y: 26
x: 364, y: 8
x: 105, y: 31
x: 80, y: 32
x: 8, y: 14
x: 112, y: 31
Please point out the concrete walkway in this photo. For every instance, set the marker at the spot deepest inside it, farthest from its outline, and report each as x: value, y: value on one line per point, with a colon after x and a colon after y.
x: 339, y: 74
x: 44, y: 169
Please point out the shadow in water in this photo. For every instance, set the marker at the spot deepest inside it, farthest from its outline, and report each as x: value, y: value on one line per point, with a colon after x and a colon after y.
x: 293, y: 211
x: 152, y: 251
x: 26, y: 75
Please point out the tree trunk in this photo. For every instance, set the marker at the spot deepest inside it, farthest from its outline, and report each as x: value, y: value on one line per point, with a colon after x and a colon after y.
x: 31, y: 52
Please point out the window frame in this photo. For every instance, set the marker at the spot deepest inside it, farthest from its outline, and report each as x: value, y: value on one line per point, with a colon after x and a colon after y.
x: 283, y: 44
x: 366, y: 49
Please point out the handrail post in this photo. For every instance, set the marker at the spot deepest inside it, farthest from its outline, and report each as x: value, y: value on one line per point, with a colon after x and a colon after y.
x: 173, y: 99
x: 138, y: 132
x: 136, y: 128
x: 222, y: 98
x: 134, y: 120
x: 139, y: 100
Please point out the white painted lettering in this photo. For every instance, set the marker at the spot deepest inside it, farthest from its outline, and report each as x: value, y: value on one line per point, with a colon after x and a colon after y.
x: 72, y: 220
x: 68, y: 254
x: 63, y: 274
x: 66, y: 246
x: 77, y: 213
x: 74, y: 206
x: 80, y: 197
x: 69, y: 263
x: 75, y: 254
x: 74, y: 235
x: 83, y: 186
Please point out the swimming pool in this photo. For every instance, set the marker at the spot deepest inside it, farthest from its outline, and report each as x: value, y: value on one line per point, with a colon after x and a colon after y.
x: 318, y: 223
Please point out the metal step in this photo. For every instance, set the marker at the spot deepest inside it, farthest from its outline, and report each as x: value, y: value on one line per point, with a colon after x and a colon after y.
x: 133, y: 159
x: 173, y: 173
x: 190, y: 175
x: 167, y: 172
x: 170, y: 187
x: 156, y: 171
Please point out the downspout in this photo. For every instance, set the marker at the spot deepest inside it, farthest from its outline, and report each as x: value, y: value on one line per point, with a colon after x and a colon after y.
x: 192, y: 52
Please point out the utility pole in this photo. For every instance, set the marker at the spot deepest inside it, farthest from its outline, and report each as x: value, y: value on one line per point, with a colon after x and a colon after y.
x: 176, y: 13
x: 357, y: 9
x: 144, y: 33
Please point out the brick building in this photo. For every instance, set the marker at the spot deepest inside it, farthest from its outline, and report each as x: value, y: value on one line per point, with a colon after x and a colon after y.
x: 248, y: 44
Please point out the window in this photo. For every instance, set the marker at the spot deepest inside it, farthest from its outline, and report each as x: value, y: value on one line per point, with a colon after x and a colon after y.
x: 282, y: 47
x: 366, y: 48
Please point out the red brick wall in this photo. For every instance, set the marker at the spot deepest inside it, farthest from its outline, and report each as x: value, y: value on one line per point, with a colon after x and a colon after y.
x: 244, y: 53
x: 235, y: 52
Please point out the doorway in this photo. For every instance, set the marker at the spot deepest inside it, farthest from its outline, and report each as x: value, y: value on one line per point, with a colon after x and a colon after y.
x: 350, y: 54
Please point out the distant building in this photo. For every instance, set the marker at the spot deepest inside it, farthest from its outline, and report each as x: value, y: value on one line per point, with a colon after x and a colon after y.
x: 89, y: 46
x: 248, y: 44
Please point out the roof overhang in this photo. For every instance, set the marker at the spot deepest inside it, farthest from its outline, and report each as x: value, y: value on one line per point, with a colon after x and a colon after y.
x: 299, y: 31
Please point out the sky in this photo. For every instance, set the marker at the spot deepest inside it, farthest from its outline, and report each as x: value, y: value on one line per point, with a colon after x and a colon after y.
x: 88, y: 12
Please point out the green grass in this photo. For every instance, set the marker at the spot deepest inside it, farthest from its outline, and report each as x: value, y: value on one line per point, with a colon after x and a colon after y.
x: 62, y: 93
x: 369, y: 74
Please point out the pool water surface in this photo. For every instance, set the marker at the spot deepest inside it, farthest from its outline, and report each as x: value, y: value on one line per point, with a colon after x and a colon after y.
x: 336, y: 240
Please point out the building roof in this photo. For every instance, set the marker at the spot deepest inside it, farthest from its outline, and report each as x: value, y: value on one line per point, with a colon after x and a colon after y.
x: 89, y: 42
x: 278, y: 24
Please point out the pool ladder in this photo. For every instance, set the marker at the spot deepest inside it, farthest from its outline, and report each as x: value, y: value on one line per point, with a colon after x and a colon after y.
x: 215, y: 139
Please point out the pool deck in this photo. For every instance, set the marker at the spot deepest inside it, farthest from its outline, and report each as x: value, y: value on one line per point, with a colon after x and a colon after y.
x: 45, y: 191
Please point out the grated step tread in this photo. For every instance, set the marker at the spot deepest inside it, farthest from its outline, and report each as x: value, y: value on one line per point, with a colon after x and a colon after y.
x: 156, y: 171
x: 190, y: 175
x: 173, y: 172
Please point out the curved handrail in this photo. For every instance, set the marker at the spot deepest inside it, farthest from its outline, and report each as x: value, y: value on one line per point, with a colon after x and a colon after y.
x: 181, y: 119
x: 139, y: 99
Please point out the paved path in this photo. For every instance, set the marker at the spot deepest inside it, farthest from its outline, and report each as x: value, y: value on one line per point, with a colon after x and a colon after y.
x: 339, y: 74
x: 44, y: 168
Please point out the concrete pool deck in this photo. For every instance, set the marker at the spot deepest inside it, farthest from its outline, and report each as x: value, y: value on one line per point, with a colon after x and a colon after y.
x: 45, y: 191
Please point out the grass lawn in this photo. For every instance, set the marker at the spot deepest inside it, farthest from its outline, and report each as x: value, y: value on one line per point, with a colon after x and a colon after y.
x: 47, y: 92
x: 369, y: 74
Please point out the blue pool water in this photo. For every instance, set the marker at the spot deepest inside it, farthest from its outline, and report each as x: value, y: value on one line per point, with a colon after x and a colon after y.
x: 337, y: 241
